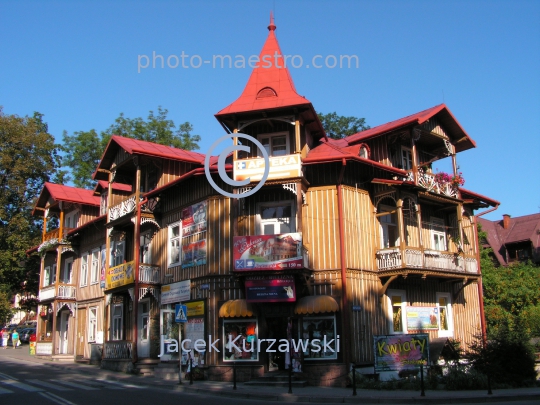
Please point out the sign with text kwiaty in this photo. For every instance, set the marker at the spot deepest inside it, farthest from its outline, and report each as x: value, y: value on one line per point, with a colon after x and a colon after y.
x: 180, y: 312
x: 400, y: 352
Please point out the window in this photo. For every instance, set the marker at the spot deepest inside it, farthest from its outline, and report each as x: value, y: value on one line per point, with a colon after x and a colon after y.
x: 84, y: 269
x: 71, y: 219
x: 175, y: 244
x: 240, y: 340
x: 317, y: 328
x: 92, y: 324
x: 117, y: 252
x: 388, y: 227
x: 406, y: 158
x: 53, y: 274
x: 275, y: 144
x: 145, y: 253
x: 103, y: 202
x: 444, y: 304
x: 117, y: 322
x: 94, y: 274
x: 276, y: 218
x: 438, y: 234
x: 46, y: 276
x: 397, y: 305
x: 68, y: 271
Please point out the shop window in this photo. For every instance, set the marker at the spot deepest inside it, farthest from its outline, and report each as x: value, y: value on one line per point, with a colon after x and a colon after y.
x: 314, y: 332
x: 175, y: 244
x: 84, y: 269
x: 275, y: 144
x: 117, y: 322
x: 94, y: 274
x: 397, y: 304
x: 244, y: 335
x: 92, y: 324
x: 276, y: 218
x: 438, y: 234
x: 444, y: 304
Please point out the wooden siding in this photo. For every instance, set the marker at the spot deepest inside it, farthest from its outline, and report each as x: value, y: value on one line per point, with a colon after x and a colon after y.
x: 433, y: 125
x: 379, y: 150
x: 171, y: 170
x: 87, y: 214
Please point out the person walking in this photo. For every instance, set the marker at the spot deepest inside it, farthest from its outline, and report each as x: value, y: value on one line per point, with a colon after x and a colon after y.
x: 5, y: 338
x: 15, y: 338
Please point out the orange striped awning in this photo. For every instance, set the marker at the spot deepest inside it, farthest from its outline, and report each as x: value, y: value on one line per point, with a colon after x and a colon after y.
x: 316, y: 304
x: 236, y: 308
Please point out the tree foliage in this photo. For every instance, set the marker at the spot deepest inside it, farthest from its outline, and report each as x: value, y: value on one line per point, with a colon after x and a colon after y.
x: 339, y: 126
x: 28, y: 158
x: 83, y: 150
x: 5, y: 308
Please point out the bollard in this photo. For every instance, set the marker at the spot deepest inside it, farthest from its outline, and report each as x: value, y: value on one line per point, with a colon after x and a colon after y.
x: 234, y: 375
x: 354, y: 379
x: 190, y: 371
x: 422, y: 394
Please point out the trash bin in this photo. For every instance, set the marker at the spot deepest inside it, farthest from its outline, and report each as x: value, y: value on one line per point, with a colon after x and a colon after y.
x: 32, y: 344
x: 96, y: 349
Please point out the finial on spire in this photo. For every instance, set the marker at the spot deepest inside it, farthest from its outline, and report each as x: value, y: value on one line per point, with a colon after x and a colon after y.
x: 272, y: 26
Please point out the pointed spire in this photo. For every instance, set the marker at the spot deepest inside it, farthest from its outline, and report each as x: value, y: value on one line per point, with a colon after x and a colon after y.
x: 272, y: 26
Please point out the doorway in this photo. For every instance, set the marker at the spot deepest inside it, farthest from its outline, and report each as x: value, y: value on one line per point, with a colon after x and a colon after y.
x: 143, y: 343
x: 64, y: 332
x: 276, y: 329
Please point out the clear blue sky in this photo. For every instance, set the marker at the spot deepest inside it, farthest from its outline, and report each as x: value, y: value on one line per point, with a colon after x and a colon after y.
x: 77, y: 63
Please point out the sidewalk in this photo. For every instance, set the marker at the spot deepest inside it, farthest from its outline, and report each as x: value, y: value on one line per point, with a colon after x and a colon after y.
x: 305, y: 394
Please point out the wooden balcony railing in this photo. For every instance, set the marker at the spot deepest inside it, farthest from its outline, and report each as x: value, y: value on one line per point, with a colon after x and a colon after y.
x: 415, y: 258
x: 125, y: 207
x: 428, y: 181
x: 117, y: 350
x: 54, y: 234
x: 149, y: 274
x: 65, y: 291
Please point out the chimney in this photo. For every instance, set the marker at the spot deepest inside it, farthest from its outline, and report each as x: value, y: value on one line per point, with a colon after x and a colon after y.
x: 506, y: 221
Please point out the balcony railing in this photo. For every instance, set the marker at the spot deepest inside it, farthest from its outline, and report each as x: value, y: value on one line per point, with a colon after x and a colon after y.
x: 149, y: 274
x: 125, y: 207
x: 65, y: 291
x: 55, y: 234
x: 117, y: 350
x: 395, y: 258
x: 47, y: 293
x: 428, y: 181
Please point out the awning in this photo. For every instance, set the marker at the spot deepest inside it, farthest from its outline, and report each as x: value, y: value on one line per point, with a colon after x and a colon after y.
x: 236, y: 308
x: 316, y: 304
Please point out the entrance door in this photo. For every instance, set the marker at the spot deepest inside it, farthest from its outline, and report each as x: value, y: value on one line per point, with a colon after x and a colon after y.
x: 277, y: 329
x: 168, y: 328
x: 81, y: 330
x: 143, y: 343
x: 64, y: 331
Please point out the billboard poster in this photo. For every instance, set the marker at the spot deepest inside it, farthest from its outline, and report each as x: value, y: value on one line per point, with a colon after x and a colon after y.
x: 267, y: 252
x: 176, y: 292
x: 194, y: 254
x: 103, y: 266
x: 400, y: 352
x: 118, y: 276
x: 270, y: 290
x: 422, y: 318
x: 194, y: 219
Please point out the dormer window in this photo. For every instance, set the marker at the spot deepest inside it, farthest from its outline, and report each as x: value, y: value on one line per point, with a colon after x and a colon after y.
x: 276, y: 144
x: 406, y: 158
x: 364, y: 151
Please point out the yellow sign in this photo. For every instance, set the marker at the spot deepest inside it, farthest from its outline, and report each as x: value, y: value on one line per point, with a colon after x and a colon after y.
x: 195, y: 308
x: 280, y: 167
x: 118, y: 276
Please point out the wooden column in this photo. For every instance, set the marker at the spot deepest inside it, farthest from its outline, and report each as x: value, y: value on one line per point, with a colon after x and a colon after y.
x: 400, y: 224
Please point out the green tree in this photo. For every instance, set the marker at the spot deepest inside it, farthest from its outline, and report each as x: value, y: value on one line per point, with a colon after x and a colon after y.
x: 83, y: 150
x: 28, y: 158
x: 6, y: 310
x: 339, y: 126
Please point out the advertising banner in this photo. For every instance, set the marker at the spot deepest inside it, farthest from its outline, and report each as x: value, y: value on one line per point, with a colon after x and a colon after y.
x: 288, y: 166
x: 194, y: 219
x: 176, y: 292
x: 194, y: 329
x: 400, y: 352
x: 194, y: 254
x: 118, y: 276
x: 267, y: 252
x: 274, y: 290
x: 422, y: 318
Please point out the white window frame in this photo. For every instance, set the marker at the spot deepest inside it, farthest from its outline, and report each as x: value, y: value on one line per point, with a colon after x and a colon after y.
x: 117, y: 322
x: 403, y: 296
x: 261, y: 223
x: 94, y: 265
x: 437, y: 236
x: 53, y: 274
x: 104, y: 197
x: 68, y: 271
x: 47, y: 276
x: 406, y: 158
x: 71, y: 219
x: 92, y: 324
x: 84, y: 270
x: 270, y: 137
x: 175, y: 242
x: 117, y: 254
x: 449, y: 315
x: 384, y: 226
x: 146, y: 256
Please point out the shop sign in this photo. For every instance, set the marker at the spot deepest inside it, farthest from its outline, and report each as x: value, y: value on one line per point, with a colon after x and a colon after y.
x: 176, y: 292
x: 287, y: 166
x: 275, y: 290
x: 400, y: 352
x: 268, y: 252
x: 118, y: 276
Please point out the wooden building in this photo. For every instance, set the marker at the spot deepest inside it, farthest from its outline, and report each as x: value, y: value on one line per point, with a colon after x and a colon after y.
x: 345, y: 241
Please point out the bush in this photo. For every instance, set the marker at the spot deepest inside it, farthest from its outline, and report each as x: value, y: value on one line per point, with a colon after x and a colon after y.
x: 459, y: 378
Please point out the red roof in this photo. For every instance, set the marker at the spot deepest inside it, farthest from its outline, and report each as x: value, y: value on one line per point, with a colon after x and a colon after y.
x: 270, y: 84
x: 154, y: 149
x: 116, y: 186
x: 59, y: 192
x: 463, y: 141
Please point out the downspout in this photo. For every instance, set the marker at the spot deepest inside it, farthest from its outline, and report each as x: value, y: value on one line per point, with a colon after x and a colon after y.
x: 344, y: 301
x: 480, y: 287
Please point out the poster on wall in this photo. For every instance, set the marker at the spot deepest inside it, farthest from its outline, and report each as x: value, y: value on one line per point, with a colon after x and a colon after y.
x: 194, y: 254
x: 118, y: 276
x: 194, y: 219
x: 176, y: 292
x: 400, y: 352
x: 267, y: 252
x: 103, y: 262
x: 422, y: 318
x: 194, y: 329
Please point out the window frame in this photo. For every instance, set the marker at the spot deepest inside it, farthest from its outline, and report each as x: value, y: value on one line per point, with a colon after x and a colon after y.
x: 83, y: 282
x: 260, y: 222
x: 65, y: 271
x: 94, y: 266
x: 437, y: 235
x: 239, y: 342
x: 117, y: 322
x: 406, y: 161
x: 384, y: 226
x: 449, y: 314
x: 47, y: 276
x: 305, y: 321
x: 403, y: 295
x: 92, y: 324
x: 177, y: 239
x: 270, y: 137
x: 113, y: 258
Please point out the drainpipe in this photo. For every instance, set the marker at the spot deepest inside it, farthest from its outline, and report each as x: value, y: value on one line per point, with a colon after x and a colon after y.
x: 136, y: 288
x: 344, y: 301
x: 480, y: 288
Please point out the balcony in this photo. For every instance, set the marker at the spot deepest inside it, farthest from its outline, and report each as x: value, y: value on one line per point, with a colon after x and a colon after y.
x: 124, y: 208
x: 430, y: 183
x: 420, y: 260
x: 65, y: 291
x: 55, y: 234
x: 149, y: 274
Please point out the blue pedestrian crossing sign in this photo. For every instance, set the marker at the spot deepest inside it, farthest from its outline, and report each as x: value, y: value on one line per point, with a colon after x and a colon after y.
x: 180, y: 312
